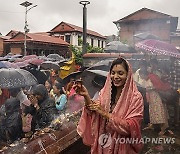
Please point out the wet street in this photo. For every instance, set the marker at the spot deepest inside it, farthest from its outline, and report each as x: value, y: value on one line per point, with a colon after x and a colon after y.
x: 163, y: 148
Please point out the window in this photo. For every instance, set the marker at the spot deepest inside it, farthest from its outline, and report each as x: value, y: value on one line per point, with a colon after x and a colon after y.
x: 62, y: 37
x: 98, y: 43
x: 68, y: 38
x: 102, y: 44
x: 92, y: 42
x: 79, y: 40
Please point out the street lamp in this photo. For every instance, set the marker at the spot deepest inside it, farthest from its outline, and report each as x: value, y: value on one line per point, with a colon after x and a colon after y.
x: 26, y: 4
x: 84, y: 3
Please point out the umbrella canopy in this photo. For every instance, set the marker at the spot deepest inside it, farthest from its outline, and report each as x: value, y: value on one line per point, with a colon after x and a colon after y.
x: 22, y: 64
x: 50, y: 65
x: 56, y: 57
x: 158, y: 47
x: 40, y: 75
x: 146, y: 35
x: 74, y: 75
x: 117, y: 46
x: 3, y: 65
x: 36, y: 61
x: 3, y: 58
x: 9, y: 56
x: 16, y: 78
x: 30, y: 57
x: 103, y: 65
x: 99, y: 72
x: 94, y: 80
x: 9, y: 64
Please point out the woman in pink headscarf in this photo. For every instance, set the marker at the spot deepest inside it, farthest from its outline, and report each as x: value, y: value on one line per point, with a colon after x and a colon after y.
x: 108, y: 123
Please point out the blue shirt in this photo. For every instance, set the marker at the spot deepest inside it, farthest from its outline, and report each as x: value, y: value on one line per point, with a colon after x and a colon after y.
x: 61, y: 101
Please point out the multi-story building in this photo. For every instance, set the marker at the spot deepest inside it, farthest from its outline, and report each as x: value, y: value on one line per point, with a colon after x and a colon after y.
x: 73, y: 35
x: 146, y: 20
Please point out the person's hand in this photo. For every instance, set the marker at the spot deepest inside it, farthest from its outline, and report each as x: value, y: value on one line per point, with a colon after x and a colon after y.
x: 81, y: 90
x: 95, y: 106
x: 34, y: 101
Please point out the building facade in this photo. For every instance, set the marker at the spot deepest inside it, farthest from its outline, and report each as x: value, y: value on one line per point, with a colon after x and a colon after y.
x: 146, y: 20
x: 37, y: 44
x: 73, y: 35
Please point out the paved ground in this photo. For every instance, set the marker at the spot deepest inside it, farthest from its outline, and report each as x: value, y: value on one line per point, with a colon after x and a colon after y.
x: 162, y: 148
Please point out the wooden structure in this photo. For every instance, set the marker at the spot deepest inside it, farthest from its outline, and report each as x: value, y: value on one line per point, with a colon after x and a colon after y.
x: 38, y: 44
x: 2, y: 39
x: 146, y: 20
x: 64, y: 139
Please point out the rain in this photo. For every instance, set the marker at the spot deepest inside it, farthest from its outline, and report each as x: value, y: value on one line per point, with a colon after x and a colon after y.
x: 90, y: 77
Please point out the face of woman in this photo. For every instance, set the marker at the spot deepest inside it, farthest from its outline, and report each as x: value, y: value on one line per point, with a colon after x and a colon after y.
x: 118, y: 75
x: 55, y: 90
x: 47, y: 85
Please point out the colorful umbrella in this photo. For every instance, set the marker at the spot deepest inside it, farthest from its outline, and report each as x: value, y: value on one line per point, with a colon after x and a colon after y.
x: 158, y: 47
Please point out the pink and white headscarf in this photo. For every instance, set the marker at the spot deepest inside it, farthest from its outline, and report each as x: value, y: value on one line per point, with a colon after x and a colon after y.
x: 128, y: 110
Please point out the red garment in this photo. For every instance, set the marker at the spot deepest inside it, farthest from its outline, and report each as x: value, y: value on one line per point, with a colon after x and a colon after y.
x: 4, y: 96
x: 125, y: 122
x: 158, y: 83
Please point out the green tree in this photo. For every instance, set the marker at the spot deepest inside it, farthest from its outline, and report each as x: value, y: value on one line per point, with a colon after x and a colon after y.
x: 77, y: 51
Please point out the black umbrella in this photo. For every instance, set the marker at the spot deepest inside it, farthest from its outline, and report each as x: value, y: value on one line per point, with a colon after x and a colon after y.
x: 40, y: 75
x: 103, y: 65
x: 74, y: 75
x: 16, y: 78
x: 50, y: 65
x: 118, y: 47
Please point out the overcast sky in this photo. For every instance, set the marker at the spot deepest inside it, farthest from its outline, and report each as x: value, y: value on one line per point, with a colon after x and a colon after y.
x: 100, y: 13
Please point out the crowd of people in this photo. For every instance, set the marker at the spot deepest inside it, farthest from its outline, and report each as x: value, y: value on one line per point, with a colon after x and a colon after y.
x: 25, y: 110
x: 159, y: 89
x: 127, y: 99
x: 118, y: 110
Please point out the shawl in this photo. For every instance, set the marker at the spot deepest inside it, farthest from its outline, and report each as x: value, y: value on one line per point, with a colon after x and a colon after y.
x: 158, y: 83
x: 128, y: 109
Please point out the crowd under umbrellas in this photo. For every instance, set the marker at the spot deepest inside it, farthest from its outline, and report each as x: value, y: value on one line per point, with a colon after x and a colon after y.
x: 93, y: 77
x: 23, y: 73
x: 167, y: 60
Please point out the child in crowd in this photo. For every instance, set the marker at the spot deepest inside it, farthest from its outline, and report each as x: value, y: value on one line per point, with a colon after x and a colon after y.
x: 60, y: 97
